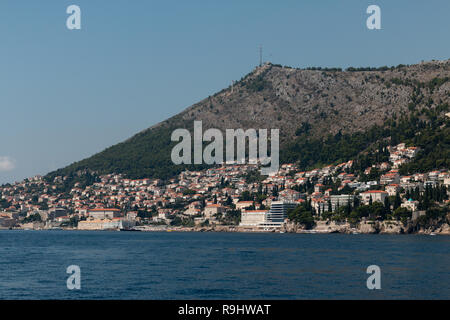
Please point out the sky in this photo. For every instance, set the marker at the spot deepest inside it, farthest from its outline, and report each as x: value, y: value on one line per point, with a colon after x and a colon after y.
x: 68, y: 94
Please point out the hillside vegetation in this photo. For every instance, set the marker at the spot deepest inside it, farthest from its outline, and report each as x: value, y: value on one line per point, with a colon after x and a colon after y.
x: 324, y: 116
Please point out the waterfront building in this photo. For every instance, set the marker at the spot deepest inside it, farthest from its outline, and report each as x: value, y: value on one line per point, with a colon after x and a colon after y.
x: 253, y: 218
x: 106, y: 224
x: 104, y: 213
x: 213, y: 209
x: 278, y: 211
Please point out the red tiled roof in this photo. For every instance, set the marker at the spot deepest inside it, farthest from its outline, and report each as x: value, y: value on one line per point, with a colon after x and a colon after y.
x: 375, y: 191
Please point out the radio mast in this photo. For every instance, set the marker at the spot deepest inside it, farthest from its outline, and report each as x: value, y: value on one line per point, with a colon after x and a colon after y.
x: 260, y: 55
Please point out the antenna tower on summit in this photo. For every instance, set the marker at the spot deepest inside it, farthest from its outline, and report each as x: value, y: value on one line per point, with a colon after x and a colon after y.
x: 260, y: 55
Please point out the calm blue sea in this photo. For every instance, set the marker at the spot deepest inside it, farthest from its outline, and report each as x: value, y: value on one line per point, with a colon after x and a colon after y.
x: 138, y: 265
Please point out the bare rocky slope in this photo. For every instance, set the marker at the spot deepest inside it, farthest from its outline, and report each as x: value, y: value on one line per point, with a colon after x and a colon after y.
x: 319, y: 102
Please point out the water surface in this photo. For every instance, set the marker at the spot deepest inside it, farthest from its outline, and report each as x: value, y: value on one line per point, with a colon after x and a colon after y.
x: 161, y: 265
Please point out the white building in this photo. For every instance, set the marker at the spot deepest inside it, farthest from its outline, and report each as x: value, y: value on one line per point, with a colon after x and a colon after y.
x: 392, y: 189
x: 375, y: 195
x: 253, y: 218
x: 411, y: 205
x: 341, y: 200
x: 106, y: 224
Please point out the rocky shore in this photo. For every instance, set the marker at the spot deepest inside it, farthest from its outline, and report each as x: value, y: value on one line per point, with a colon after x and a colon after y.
x: 368, y: 227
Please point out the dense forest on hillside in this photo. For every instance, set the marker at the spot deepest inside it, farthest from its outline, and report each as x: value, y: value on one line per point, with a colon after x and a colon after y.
x: 144, y: 155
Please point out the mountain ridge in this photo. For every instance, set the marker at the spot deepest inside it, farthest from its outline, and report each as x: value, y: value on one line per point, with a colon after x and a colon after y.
x: 317, y: 102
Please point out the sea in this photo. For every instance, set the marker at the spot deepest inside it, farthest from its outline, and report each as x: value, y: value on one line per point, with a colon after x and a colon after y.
x: 231, y: 266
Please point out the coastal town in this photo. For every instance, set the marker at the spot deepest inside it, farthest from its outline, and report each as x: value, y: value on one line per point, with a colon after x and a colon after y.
x: 236, y: 197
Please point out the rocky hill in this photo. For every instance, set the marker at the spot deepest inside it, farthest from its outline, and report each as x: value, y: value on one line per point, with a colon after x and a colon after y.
x: 305, y: 104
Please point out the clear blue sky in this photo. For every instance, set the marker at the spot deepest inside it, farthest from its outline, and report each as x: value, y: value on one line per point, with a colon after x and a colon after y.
x: 66, y: 95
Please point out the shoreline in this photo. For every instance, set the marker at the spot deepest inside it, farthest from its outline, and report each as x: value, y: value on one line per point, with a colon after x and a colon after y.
x: 374, y: 228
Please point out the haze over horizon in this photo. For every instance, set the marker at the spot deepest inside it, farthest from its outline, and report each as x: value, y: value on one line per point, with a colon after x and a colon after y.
x: 70, y: 94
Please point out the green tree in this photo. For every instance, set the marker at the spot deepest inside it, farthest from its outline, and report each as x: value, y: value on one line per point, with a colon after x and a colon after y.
x: 397, y: 201
x: 302, y: 215
x: 402, y: 214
